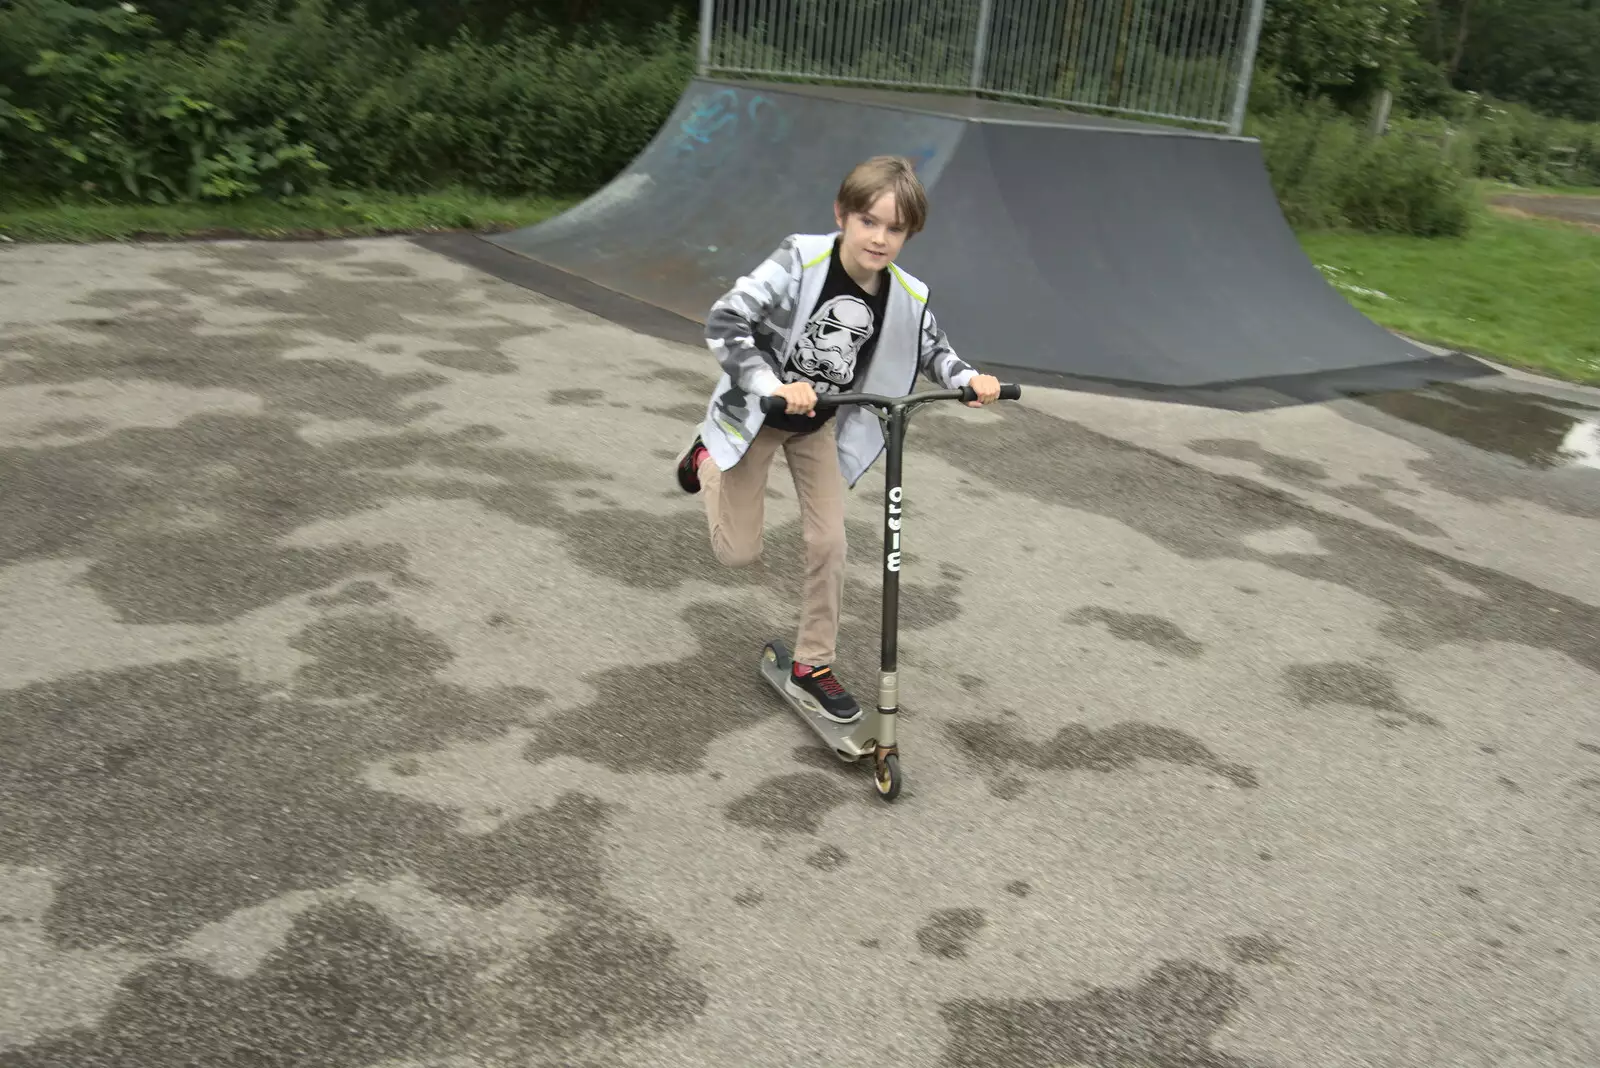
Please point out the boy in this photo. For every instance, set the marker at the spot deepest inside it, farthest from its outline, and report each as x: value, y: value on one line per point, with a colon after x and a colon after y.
x: 822, y: 314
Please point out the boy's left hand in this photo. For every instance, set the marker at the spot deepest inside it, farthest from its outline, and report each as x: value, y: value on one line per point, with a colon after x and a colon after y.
x: 988, y: 389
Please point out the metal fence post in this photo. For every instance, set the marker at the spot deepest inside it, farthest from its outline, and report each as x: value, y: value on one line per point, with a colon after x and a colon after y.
x: 980, y: 47
x: 706, y: 7
x: 1247, y: 67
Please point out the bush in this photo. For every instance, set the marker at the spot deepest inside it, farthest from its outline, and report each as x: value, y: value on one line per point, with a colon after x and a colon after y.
x: 1413, y: 180
x: 1329, y: 172
x: 309, y: 93
x: 109, y: 111
x: 1505, y: 141
x: 1513, y: 143
x: 1305, y: 150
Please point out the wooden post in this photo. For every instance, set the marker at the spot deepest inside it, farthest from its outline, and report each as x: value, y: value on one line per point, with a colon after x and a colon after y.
x: 1380, y: 113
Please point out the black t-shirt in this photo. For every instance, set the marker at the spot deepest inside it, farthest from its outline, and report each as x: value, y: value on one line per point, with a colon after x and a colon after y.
x: 836, y: 343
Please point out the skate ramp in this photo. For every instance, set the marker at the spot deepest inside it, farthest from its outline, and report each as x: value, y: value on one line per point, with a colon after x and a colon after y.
x: 730, y: 174
x: 1061, y: 249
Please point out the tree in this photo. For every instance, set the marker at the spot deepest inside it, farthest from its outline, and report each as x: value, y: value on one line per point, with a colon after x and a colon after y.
x: 1342, y: 49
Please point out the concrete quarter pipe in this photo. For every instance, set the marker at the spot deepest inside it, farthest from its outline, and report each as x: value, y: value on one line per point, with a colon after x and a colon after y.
x: 1061, y: 248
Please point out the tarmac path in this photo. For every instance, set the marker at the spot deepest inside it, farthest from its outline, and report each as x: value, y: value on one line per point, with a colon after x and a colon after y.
x: 1583, y: 210
x: 369, y: 697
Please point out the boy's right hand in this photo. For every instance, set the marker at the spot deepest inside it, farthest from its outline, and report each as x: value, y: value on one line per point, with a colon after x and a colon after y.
x: 801, y: 397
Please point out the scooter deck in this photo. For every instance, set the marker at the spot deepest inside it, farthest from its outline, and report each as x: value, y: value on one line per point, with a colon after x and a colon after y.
x: 849, y: 741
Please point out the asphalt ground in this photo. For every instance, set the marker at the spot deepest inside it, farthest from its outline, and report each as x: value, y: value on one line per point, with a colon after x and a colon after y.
x: 369, y: 696
x: 1584, y: 210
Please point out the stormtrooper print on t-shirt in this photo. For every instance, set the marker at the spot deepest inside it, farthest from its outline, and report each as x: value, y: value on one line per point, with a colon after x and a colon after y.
x: 836, y: 343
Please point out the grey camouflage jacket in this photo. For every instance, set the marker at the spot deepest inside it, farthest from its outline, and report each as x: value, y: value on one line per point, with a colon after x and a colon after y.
x: 752, y: 329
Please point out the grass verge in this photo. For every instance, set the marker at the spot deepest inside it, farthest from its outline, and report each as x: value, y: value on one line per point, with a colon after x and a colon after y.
x: 331, y: 215
x: 1519, y: 291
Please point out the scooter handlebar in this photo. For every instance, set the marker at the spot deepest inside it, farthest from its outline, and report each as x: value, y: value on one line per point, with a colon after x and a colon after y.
x: 775, y: 404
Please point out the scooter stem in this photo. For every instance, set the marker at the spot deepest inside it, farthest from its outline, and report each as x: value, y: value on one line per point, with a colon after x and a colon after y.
x: 893, y: 515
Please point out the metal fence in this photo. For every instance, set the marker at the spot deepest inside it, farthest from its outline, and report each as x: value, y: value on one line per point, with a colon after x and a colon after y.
x: 1185, y: 60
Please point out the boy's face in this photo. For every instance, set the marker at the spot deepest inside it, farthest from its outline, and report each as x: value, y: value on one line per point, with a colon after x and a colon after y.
x: 873, y: 238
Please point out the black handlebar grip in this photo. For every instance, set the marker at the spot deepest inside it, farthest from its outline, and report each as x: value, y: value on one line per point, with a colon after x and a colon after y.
x: 774, y: 405
x: 1008, y: 391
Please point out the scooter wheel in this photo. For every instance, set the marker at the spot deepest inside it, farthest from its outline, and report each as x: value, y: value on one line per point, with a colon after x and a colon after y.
x: 886, y: 775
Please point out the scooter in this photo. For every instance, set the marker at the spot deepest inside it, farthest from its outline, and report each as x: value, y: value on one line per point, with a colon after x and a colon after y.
x: 874, y: 732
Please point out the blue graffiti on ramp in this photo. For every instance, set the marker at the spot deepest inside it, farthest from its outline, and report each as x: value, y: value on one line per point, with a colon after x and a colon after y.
x: 920, y: 158
x: 715, y: 119
x: 710, y: 114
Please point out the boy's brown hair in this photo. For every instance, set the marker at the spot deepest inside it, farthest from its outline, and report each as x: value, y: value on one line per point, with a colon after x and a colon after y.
x: 871, y: 178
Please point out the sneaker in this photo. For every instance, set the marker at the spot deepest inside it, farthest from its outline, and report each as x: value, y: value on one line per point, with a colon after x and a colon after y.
x: 821, y: 687
x: 689, y: 466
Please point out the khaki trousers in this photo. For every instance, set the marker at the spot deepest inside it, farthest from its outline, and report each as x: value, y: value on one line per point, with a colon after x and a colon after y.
x: 736, y: 506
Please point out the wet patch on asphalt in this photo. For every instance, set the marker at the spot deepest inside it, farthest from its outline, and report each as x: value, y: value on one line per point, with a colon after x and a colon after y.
x: 1154, y: 631
x: 361, y: 654
x: 129, y: 499
x: 481, y: 362
x: 795, y: 803
x: 66, y: 428
x: 129, y: 502
x: 141, y: 347
x: 648, y: 719
x: 1360, y: 685
x: 699, y: 383
x: 690, y: 415
x: 1168, y: 1020
x: 350, y: 987
x: 1313, y: 477
x: 347, y: 987
x: 169, y: 796
x: 575, y: 397
x: 923, y: 606
x: 1521, y: 426
x: 997, y: 747
x: 949, y: 933
x: 828, y: 858
x: 1201, y: 516
x: 1255, y: 949
x: 1548, y: 434
x: 174, y: 796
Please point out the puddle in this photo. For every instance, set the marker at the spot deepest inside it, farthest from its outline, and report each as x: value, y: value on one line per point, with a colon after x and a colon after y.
x: 1539, y: 431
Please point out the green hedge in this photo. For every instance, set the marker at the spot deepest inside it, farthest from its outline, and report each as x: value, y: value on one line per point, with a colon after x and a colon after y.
x: 1329, y: 171
x: 1505, y: 141
x: 92, y: 100
x: 1513, y: 143
x: 303, y: 95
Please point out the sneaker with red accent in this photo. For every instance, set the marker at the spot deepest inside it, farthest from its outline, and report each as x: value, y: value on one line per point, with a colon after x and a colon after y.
x: 689, y: 466
x: 820, y: 688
